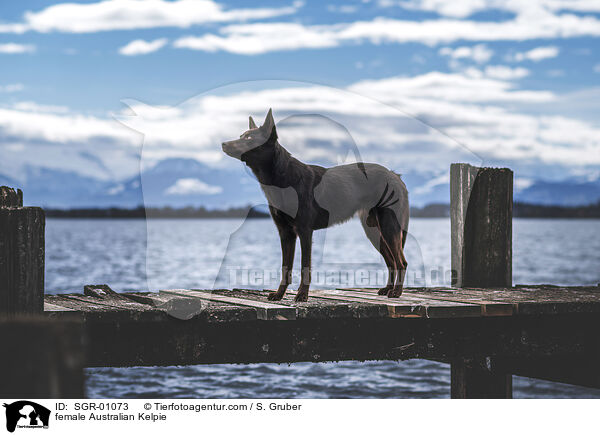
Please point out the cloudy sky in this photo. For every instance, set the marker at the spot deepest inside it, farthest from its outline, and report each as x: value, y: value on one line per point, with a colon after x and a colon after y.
x: 414, y: 84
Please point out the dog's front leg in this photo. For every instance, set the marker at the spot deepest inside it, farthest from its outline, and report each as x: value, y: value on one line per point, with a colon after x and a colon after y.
x: 288, y: 246
x: 306, y: 246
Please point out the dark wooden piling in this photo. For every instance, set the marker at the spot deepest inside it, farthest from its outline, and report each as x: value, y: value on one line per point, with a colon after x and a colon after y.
x: 469, y: 380
x: 481, y: 231
x: 41, y: 358
x: 481, y: 220
x: 21, y: 255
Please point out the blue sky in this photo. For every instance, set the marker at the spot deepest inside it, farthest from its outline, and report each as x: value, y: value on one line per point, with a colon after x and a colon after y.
x: 515, y: 83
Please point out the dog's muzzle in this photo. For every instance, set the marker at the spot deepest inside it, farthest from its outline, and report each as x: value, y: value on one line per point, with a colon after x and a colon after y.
x: 230, y: 150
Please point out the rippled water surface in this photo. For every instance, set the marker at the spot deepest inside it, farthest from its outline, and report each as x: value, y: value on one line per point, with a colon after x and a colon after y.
x: 140, y: 255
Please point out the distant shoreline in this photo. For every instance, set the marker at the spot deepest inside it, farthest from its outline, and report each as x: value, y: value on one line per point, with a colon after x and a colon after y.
x: 520, y: 210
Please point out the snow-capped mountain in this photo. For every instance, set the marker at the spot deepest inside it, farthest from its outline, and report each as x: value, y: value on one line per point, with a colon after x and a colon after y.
x: 179, y: 182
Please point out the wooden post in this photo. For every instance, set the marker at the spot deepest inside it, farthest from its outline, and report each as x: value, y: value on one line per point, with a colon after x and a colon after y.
x: 21, y: 255
x: 41, y: 358
x: 481, y: 226
x: 481, y: 202
x: 469, y: 381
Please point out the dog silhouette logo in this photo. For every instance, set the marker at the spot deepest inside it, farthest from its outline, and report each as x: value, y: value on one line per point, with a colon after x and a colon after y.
x: 26, y: 414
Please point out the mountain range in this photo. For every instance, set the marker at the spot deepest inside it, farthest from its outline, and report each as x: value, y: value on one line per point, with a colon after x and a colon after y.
x: 178, y: 182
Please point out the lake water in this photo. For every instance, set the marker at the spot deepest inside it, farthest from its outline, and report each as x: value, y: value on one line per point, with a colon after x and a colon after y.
x: 225, y: 253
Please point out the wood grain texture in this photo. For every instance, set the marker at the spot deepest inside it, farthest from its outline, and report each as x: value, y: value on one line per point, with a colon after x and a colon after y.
x: 486, y: 307
x: 10, y: 197
x: 22, y: 251
x: 408, y: 305
x: 264, y: 310
x: 481, y: 204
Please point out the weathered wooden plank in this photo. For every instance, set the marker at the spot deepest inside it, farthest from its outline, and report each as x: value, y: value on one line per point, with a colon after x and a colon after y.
x: 264, y: 310
x: 53, y: 307
x: 412, y: 305
x: 433, y: 308
x: 111, y: 303
x: 543, y: 300
x: 73, y: 302
x: 487, y: 307
x: 317, y: 308
x: 524, y: 300
x: 394, y: 309
x: 187, y: 307
x: 93, y: 310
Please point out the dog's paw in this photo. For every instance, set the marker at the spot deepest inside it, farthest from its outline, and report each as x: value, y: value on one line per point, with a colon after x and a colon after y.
x: 395, y: 293
x: 383, y: 291
x: 275, y: 296
x: 301, y: 297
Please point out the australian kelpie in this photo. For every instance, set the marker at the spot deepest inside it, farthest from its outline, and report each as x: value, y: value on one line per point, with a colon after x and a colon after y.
x: 303, y: 198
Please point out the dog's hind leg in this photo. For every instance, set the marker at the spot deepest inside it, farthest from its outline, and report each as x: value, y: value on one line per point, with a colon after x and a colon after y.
x: 369, y: 224
x: 402, y: 266
x: 391, y: 266
x: 288, y: 246
x: 394, y: 238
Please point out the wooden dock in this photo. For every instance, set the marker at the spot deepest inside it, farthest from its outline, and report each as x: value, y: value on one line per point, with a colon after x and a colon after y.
x: 526, y: 330
x: 485, y: 328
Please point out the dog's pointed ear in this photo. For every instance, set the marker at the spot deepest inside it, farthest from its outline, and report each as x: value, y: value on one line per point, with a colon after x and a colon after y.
x: 269, y: 123
x: 251, y: 123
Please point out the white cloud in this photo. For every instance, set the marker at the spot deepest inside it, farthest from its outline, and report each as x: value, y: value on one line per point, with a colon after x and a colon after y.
x: 465, y: 8
x: 190, y: 186
x: 471, y: 114
x: 260, y: 38
x: 431, y: 184
x: 419, y: 123
x: 14, y: 87
x: 13, y: 48
x: 522, y: 183
x: 139, y: 46
x: 136, y: 14
x: 32, y: 133
x: 479, y: 53
x: 597, y: 68
x: 536, y: 54
x: 503, y: 72
x: 30, y: 106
